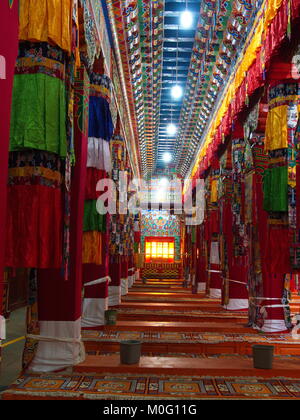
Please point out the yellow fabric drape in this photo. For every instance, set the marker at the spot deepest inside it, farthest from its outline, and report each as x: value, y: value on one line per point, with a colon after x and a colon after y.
x: 92, y: 248
x: 46, y: 21
x: 214, y: 191
x: 29, y: 171
x: 276, y: 128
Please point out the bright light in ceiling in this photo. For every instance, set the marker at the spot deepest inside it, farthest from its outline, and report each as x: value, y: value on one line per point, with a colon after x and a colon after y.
x: 171, y: 129
x: 176, y: 92
x: 163, y: 182
x: 167, y: 157
x: 186, y: 19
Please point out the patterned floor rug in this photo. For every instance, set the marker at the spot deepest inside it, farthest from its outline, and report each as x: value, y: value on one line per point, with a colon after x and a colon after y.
x: 149, y: 297
x: 196, y: 355
x: 185, y: 337
x: 188, y: 313
x: 136, y: 387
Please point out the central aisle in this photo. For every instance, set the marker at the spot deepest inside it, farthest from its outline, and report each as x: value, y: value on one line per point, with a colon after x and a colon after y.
x: 192, y: 349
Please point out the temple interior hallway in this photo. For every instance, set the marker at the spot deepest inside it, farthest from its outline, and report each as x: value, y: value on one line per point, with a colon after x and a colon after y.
x: 192, y: 349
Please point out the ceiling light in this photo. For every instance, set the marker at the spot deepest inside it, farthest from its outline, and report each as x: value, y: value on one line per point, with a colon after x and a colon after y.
x: 164, y: 181
x: 171, y: 129
x: 167, y: 157
x: 176, y: 92
x: 186, y: 19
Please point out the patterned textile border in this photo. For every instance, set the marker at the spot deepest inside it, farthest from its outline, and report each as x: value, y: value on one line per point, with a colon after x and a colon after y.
x: 148, y: 297
x: 190, y: 314
x: 185, y: 337
x: 197, y: 355
x: 136, y: 387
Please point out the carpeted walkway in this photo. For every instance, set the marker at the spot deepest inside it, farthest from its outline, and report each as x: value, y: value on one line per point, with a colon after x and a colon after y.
x: 201, y: 338
x: 137, y: 387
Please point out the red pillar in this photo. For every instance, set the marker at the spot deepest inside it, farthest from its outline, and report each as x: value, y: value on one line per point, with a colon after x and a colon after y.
x: 114, y: 289
x: 59, y: 300
x: 233, y: 223
x: 276, y: 263
x: 8, y: 52
x: 124, y: 275
x: 201, y: 268
x: 214, y: 264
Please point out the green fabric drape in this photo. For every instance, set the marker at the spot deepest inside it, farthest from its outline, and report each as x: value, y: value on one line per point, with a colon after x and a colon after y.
x: 276, y: 189
x: 93, y: 221
x: 38, y: 119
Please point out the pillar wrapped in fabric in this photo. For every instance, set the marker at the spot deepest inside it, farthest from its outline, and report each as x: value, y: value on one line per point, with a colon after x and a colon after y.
x: 100, y: 122
x: 255, y: 164
x: 95, y: 283
x: 59, y: 301
x: 201, y: 268
x: 215, y: 284
x: 95, y: 250
x: 225, y: 198
x: 124, y: 275
x: 278, y: 185
x: 234, y: 264
x: 213, y: 263
x: 212, y: 233
x: 131, y: 271
x: 238, y: 266
x: 8, y: 53
x: 38, y: 145
x: 95, y: 301
x: 114, y: 289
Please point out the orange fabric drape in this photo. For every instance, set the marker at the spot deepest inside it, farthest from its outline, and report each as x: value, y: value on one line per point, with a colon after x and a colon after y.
x: 92, y: 248
x: 46, y: 21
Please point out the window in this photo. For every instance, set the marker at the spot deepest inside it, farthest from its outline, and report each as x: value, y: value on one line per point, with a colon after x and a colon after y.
x: 160, y: 249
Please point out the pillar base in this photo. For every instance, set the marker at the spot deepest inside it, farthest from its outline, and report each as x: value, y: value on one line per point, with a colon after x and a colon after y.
x: 55, y: 355
x: 215, y: 293
x: 2, y: 328
x: 201, y: 287
x: 124, y: 287
x: 274, y: 326
x: 93, y: 312
x: 114, y: 295
x: 237, y: 305
x: 130, y: 281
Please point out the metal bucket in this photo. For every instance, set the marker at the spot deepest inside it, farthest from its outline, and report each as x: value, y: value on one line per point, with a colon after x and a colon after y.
x: 130, y: 352
x: 111, y: 316
x: 262, y: 356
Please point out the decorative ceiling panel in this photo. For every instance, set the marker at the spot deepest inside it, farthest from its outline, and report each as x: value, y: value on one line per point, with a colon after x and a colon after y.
x: 157, y: 53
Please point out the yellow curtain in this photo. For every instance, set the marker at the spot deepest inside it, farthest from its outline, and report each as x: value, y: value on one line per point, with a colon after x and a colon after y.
x: 46, y: 21
x: 276, y: 128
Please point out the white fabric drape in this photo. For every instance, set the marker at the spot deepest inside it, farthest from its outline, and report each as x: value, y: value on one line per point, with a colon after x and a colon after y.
x: 274, y: 325
x: 237, y: 304
x: 114, y: 295
x: 215, y: 293
x: 124, y: 287
x: 59, y: 347
x: 201, y: 287
x: 99, y: 155
x: 93, y: 312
